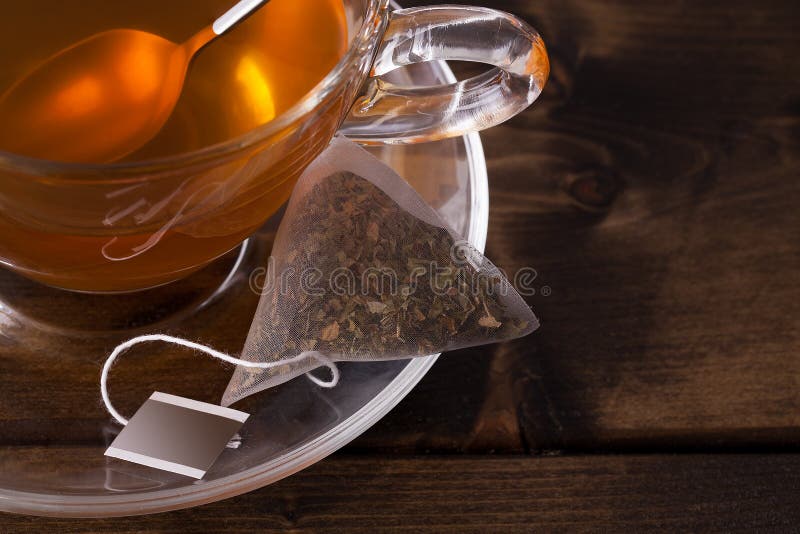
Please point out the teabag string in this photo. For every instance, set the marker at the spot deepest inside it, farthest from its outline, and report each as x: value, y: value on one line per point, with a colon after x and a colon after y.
x: 122, y: 347
x: 296, y: 328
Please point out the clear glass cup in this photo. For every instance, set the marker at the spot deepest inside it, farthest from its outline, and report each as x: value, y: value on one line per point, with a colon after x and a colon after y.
x: 130, y: 226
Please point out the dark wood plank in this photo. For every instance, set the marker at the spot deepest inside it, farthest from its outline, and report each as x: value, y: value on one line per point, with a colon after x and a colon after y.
x: 654, y: 188
x: 486, y: 494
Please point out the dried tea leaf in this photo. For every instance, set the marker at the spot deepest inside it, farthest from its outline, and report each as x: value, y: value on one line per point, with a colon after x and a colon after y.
x: 375, y: 306
x: 373, y: 231
x: 489, y: 322
x: 330, y: 332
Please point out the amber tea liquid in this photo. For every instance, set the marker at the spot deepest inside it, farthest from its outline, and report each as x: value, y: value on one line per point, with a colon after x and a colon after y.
x: 237, y: 83
x: 152, y: 230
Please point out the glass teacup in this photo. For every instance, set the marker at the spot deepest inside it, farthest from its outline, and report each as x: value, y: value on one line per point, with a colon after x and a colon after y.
x: 130, y: 226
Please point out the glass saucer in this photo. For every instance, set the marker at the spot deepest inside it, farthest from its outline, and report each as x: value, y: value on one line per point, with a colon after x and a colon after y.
x: 54, y: 430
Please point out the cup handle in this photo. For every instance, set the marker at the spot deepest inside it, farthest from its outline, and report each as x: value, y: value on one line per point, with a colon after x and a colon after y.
x: 386, y: 113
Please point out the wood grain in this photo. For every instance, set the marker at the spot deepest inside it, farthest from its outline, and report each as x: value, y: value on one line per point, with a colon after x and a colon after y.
x: 494, y: 494
x: 655, y: 189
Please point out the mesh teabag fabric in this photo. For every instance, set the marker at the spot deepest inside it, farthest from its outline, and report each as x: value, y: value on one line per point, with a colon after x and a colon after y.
x: 363, y: 269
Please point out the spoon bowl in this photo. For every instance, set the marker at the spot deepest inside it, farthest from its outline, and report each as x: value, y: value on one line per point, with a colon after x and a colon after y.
x: 96, y: 101
x: 103, y: 97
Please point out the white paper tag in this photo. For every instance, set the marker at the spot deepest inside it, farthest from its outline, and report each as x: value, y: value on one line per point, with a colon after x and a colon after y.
x: 176, y: 434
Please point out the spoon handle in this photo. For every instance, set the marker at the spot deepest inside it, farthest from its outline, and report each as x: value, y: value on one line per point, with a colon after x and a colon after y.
x: 242, y: 9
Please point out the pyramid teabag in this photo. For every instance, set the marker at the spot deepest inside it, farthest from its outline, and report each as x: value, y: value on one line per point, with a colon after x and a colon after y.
x: 363, y: 269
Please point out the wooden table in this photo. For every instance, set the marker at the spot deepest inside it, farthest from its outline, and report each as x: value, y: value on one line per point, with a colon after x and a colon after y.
x: 654, y: 187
